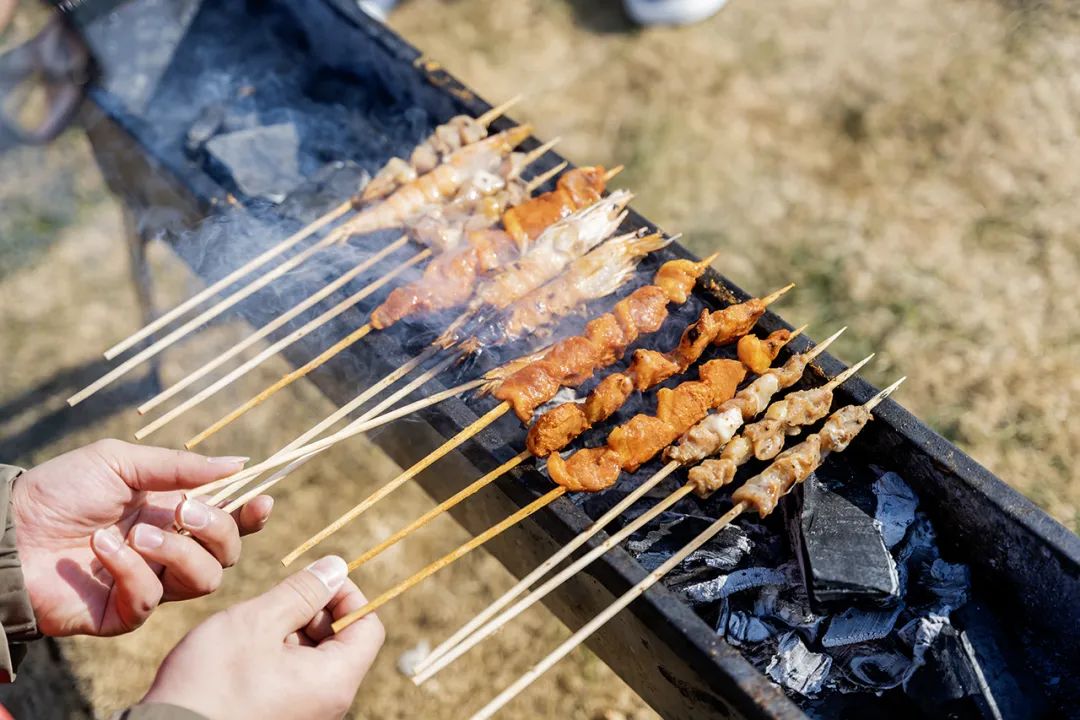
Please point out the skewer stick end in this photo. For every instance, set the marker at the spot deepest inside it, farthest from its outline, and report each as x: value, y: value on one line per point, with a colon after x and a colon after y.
x: 773, y: 297
x: 874, y: 401
x: 824, y: 344
x: 613, y: 172
x: 541, y: 150
x: 499, y: 110
x: 797, y: 332
x: 541, y: 179
x: 843, y: 377
x: 709, y: 260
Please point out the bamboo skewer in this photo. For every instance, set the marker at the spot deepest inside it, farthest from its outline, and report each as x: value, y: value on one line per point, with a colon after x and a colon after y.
x: 442, y: 507
x: 529, y: 580
x: 369, y: 420
x: 272, y: 350
x: 270, y: 327
x: 449, y: 651
x: 229, y: 279
x: 600, y: 620
x: 485, y: 120
x: 199, y: 320
x: 639, y: 589
x: 562, y: 576
x: 472, y: 429
x: 442, y: 562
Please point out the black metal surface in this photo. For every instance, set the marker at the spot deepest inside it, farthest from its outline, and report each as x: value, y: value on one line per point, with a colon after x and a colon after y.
x: 1026, y: 567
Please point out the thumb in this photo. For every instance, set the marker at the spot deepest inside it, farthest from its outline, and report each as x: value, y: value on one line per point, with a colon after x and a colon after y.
x: 153, y: 468
x: 295, y: 601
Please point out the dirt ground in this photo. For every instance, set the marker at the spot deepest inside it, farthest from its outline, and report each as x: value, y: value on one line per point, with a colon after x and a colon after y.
x: 913, y: 166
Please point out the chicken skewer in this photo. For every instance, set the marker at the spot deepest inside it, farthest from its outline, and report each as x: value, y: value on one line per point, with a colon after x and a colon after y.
x: 446, y: 653
x: 446, y: 139
x: 552, y: 250
x: 441, y: 182
x: 523, y: 224
x: 596, y: 274
x: 604, y: 340
x: 288, y: 340
x: 781, y: 335
x: 675, y: 411
x: 476, y: 130
x: 760, y: 493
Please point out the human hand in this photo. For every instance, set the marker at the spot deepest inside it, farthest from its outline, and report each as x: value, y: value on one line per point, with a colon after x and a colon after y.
x: 275, y: 655
x: 73, y: 513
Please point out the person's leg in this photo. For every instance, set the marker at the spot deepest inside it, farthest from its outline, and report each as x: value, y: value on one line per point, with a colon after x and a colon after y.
x: 671, y: 12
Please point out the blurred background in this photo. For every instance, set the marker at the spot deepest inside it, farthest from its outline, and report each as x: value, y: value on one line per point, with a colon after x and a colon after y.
x: 914, y: 167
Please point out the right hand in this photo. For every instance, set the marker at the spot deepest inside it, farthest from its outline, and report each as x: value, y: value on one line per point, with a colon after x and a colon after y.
x: 275, y: 656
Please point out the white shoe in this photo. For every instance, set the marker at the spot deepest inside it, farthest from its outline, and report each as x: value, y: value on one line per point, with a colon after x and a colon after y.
x: 671, y: 12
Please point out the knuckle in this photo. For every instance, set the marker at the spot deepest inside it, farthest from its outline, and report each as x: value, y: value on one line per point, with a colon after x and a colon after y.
x: 307, y: 591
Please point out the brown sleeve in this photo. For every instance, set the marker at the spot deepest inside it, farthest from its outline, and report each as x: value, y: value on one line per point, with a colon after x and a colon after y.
x: 159, y: 711
x: 16, y: 614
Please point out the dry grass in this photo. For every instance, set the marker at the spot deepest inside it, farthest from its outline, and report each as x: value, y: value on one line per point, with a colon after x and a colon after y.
x: 910, y: 165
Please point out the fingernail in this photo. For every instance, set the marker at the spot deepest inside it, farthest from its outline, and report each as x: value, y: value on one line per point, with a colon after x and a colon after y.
x: 331, y: 571
x: 228, y: 460
x: 148, y: 537
x: 107, y: 541
x: 194, y: 515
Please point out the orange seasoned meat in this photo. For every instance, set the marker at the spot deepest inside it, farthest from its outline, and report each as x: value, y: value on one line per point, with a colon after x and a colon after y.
x: 566, y: 422
x: 758, y: 354
x: 643, y: 437
x: 571, y: 361
x: 649, y: 368
x: 576, y: 189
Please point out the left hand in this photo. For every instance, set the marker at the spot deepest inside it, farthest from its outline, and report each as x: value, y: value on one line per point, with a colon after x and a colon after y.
x: 94, y: 531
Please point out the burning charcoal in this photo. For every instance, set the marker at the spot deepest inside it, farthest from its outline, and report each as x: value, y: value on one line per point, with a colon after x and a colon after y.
x: 841, y: 551
x: 262, y: 161
x: 858, y: 626
x: 134, y: 44
x: 738, y: 581
x: 743, y: 628
x: 947, y: 680
x: 896, y: 503
x: 796, y: 668
x: 205, y: 127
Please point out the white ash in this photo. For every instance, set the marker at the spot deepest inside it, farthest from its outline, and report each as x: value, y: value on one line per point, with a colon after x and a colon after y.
x: 797, y: 668
x: 859, y: 626
x: 637, y: 547
x: 950, y: 583
x: 791, y: 608
x: 877, y: 668
x: 737, y: 581
x: 896, y: 503
x: 742, y: 628
x: 565, y: 395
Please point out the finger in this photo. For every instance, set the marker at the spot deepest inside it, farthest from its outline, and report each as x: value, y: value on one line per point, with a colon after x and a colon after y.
x: 214, y: 528
x: 295, y: 601
x: 152, y: 468
x: 253, y: 516
x: 357, y: 645
x: 190, y: 571
x: 137, y: 590
x: 320, y: 626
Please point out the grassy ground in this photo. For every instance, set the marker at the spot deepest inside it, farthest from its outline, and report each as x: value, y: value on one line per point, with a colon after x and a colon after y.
x: 912, y: 166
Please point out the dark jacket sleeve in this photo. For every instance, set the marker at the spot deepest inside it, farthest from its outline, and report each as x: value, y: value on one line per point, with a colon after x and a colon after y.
x: 159, y: 711
x: 16, y: 614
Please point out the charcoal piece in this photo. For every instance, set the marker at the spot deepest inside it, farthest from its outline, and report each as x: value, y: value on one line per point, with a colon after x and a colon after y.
x: 896, y: 503
x: 262, y: 161
x: 135, y: 44
x: 855, y: 625
x: 205, y: 127
x: 1012, y: 683
x: 738, y: 581
x: 950, y: 583
x: 789, y: 607
x: 743, y: 628
x: 797, y: 669
x: 841, y: 552
x: 875, y: 668
x: 947, y: 681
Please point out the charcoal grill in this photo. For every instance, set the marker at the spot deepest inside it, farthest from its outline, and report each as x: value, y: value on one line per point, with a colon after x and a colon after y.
x: 1026, y: 567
